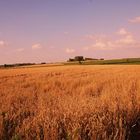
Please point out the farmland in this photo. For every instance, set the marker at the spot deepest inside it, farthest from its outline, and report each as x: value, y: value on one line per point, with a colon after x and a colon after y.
x: 81, y: 102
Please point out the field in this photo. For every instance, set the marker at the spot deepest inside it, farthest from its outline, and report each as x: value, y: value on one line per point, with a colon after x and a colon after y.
x: 69, y: 102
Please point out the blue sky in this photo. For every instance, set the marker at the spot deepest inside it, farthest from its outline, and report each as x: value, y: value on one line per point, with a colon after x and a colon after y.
x: 54, y: 30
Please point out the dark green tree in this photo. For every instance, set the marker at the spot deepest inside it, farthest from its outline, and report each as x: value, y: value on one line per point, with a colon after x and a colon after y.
x: 79, y: 58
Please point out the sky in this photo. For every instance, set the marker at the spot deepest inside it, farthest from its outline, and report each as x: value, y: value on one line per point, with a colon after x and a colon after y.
x: 55, y: 30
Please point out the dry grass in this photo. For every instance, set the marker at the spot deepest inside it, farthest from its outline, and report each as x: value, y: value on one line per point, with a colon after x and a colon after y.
x: 69, y: 102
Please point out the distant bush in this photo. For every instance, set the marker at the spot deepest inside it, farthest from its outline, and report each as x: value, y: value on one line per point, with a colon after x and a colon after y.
x: 17, y: 64
x: 8, y: 65
x: 102, y: 59
x: 86, y: 59
x: 43, y: 63
x: 71, y: 59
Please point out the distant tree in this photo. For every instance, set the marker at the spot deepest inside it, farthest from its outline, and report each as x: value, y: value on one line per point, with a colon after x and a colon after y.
x: 8, y: 65
x: 127, y: 60
x: 71, y: 59
x: 79, y: 58
x: 5, y: 65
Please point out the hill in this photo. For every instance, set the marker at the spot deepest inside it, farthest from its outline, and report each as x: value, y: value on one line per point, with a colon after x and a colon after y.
x: 128, y: 61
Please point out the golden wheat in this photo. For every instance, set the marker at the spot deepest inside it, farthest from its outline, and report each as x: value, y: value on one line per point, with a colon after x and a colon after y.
x: 69, y: 102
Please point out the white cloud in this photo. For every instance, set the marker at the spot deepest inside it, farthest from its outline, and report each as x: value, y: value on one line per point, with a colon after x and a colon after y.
x: 123, y: 31
x: 125, y: 39
x: 36, y: 46
x: 135, y: 20
x: 69, y: 50
x: 2, y: 43
x: 86, y: 48
x: 102, y: 45
x: 20, y: 50
x: 95, y: 37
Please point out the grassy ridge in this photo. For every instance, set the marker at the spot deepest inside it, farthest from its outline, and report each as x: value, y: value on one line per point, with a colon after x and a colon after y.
x: 107, y: 62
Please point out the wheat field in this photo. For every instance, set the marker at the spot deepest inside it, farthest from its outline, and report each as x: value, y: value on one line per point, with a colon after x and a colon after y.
x: 69, y: 102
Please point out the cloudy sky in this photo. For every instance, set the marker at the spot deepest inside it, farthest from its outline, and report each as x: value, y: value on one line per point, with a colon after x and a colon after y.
x: 54, y: 30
